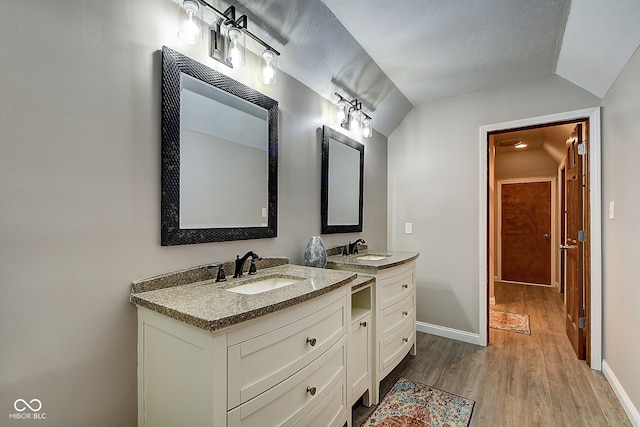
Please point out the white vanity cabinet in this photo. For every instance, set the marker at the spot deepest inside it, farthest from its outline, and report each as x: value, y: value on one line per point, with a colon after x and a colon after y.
x: 284, y: 368
x: 393, y: 318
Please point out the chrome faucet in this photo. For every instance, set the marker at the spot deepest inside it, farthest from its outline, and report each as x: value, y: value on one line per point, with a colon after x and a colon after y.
x: 352, y: 248
x: 240, y: 263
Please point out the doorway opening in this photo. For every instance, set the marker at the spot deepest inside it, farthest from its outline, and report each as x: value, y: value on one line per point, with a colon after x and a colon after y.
x: 544, y: 167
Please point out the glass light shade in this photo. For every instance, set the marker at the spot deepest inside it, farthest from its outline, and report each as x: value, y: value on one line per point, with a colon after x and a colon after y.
x: 367, y: 131
x: 355, y: 121
x: 235, y: 47
x: 269, y: 62
x: 343, y: 115
x: 189, y: 22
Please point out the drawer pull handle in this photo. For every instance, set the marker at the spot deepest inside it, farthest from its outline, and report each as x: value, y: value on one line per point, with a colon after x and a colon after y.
x: 311, y: 341
x: 405, y: 286
x: 405, y: 339
x: 311, y: 390
x: 363, y: 324
x: 406, y: 313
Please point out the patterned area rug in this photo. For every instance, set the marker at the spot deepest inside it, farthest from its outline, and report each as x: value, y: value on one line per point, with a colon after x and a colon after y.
x: 411, y: 404
x: 512, y: 322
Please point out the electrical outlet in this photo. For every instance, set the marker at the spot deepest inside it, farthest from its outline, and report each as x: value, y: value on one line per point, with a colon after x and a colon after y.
x: 408, y: 228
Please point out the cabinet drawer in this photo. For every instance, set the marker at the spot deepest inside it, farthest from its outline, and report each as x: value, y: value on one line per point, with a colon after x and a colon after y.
x: 394, y: 317
x: 289, y: 402
x: 395, y: 346
x: 332, y: 411
x: 395, y: 288
x: 259, y: 363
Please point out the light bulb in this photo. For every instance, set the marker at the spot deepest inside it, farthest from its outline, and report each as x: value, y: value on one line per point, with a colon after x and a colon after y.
x: 269, y: 67
x: 235, y: 47
x: 342, y: 111
x: 355, y: 121
x: 190, y: 28
x: 367, y: 132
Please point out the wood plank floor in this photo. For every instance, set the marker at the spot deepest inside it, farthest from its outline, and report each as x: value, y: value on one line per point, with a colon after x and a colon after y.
x: 518, y: 380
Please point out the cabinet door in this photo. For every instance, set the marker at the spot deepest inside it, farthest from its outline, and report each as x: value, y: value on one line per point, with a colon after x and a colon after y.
x: 359, y: 373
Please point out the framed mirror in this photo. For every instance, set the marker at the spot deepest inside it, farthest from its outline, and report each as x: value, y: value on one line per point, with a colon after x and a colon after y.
x: 342, y: 183
x: 219, y: 156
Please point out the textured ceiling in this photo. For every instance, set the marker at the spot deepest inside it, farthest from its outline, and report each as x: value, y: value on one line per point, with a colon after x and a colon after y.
x: 394, y: 54
x: 433, y: 49
x: 318, y: 51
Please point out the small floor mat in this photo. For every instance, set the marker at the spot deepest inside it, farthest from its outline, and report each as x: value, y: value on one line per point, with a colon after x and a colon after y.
x: 507, y: 321
x: 412, y: 404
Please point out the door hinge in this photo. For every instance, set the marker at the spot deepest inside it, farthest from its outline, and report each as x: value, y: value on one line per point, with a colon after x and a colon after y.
x: 582, y: 236
x: 582, y: 322
x: 582, y: 148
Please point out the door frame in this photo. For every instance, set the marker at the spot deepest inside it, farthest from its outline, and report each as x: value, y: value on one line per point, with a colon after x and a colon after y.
x: 595, y: 218
x: 552, y: 223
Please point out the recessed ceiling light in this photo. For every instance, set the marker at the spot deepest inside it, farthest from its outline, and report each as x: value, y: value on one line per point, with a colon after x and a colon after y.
x: 520, y: 145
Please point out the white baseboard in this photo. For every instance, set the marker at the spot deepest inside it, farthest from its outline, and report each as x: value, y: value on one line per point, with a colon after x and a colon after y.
x: 454, y: 334
x: 627, y: 405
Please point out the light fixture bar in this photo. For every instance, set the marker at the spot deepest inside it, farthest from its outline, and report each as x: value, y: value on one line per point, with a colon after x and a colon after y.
x: 349, y: 110
x: 240, y: 23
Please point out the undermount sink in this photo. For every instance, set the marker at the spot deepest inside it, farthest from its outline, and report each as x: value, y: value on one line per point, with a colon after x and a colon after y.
x: 372, y: 257
x: 264, y: 284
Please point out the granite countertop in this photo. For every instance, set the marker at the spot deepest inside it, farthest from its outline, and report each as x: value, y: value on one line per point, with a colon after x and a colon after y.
x: 361, y: 282
x: 355, y: 262
x: 209, y: 306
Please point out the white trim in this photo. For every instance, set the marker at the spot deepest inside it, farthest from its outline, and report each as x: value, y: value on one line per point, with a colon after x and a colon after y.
x: 552, y: 181
x: 595, y: 174
x: 483, y: 274
x: 443, y: 331
x: 627, y: 405
x: 595, y: 187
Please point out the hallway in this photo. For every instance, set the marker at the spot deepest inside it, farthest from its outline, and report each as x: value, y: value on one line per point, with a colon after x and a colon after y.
x: 518, y: 380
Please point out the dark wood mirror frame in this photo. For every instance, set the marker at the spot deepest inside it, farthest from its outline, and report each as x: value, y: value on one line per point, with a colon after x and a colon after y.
x: 173, y: 64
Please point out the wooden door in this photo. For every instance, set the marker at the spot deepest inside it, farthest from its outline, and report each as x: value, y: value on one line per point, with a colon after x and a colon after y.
x: 574, y: 247
x: 563, y: 227
x: 525, y: 212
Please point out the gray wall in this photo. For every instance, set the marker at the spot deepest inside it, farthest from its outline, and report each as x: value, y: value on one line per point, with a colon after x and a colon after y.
x: 433, y: 183
x: 80, y: 190
x: 621, y: 236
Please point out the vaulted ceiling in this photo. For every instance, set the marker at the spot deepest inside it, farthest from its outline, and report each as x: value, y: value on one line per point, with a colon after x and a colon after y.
x: 393, y: 55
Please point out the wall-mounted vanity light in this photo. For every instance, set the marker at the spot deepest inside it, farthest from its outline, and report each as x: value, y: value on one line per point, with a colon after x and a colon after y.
x: 227, y: 37
x: 350, y: 114
x: 190, y: 21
